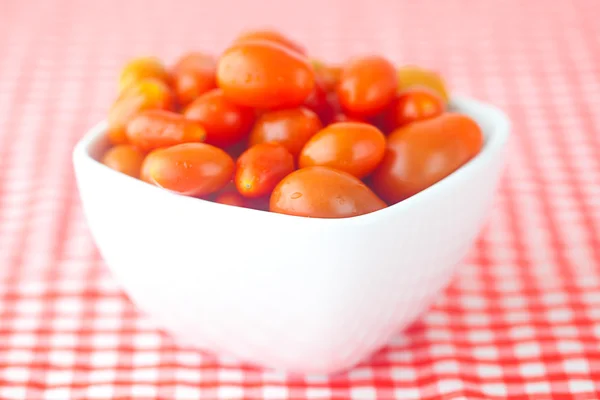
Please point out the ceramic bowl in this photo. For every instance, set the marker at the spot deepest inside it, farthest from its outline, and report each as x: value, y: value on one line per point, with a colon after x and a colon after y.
x: 297, y: 294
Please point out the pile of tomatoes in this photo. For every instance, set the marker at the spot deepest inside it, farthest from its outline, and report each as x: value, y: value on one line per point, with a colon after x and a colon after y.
x: 263, y: 126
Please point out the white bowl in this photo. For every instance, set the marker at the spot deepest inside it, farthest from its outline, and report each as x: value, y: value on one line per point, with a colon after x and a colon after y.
x: 297, y: 294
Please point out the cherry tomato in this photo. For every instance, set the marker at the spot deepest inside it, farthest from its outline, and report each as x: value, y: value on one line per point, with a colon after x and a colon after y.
x: 139, y: 69
x: 145, y: 95
x: 323, y: 192
x: 329, y: 74
x: 193, y: 75
x: 410, y: 76
x: 271, y: 36
x: 263, y: 74
x: 319, y: 102
x: 193, y: 169
x: 292, y: 128
x: 124, y: 158
x: 412, y: 105
x: 367, y: 85
x: 154, y: 129
x: 260, y: 168
x: 353, y: 147
x: 225, y: 122
x: 420, y: 154
x: 231, y: 199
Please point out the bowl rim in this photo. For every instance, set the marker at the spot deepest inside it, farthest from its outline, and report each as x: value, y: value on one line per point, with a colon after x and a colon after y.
x: 495, y: 140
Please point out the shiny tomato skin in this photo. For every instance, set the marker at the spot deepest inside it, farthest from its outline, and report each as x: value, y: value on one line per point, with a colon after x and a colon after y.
x: 410, y: 76
x: 421, y: 154
x: 260, y: 168
x: 271, y: 36
x: 367, y: 85
x: 231, y: 199
x: 124, y: 158
x: 193, y: 75
x: 139, y: 69
x: 263, y: 74
x: 154, y: 129
x: 226, y: 123
x: 353, y: 147
x: 323, y: 192
x: 292, y: 128
x: 412, y: 105
x: 147, y: 94
x: 192, y: 169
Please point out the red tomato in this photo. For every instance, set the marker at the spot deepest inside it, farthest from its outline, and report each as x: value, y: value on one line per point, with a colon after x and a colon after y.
x: 263, y: 74
x: 319, y: 102
x: 292, y: 128
x: 261, y: 167
x: 124, y: 158
x: 421, y: 154
x: 193, y: 169
x: 193, y: 75
x: 139, y: 69
x: 231, y: 199
x: 353, y: 147
x: 412, y: 105
x: 367, y: 85
x: 147, y: 94
x: 271, y: 36
x: 323, y: 192
x: 154, y: 129
x: 225, y: 122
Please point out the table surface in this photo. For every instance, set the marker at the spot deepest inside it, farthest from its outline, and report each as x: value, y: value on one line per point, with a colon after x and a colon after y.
x: 520, y: 321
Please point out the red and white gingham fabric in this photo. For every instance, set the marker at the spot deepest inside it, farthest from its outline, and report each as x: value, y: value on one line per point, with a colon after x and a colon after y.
x: 520, y: 321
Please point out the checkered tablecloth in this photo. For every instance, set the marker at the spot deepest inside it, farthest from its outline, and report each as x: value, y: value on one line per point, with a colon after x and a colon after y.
x: 520, y: 321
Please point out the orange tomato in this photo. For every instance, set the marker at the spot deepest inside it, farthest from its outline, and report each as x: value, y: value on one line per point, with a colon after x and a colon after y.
x: 193, y: 75
x: 263, y: 74
x: 353, y: 147
x: 124, y: 158
x: 147, y: 94
x: 323, y: 192
x: 225, y: 122
x: 139, y: 69
x: 292, y: 128
x: 410, y: 76
x: 231, y: 199
x: 421, y: 154
x: 367, y: 85
x: 412, y: 105
x: 154, y: 129
x: 260, y: 168
x: 193, y: 169
x: 271, y: 36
